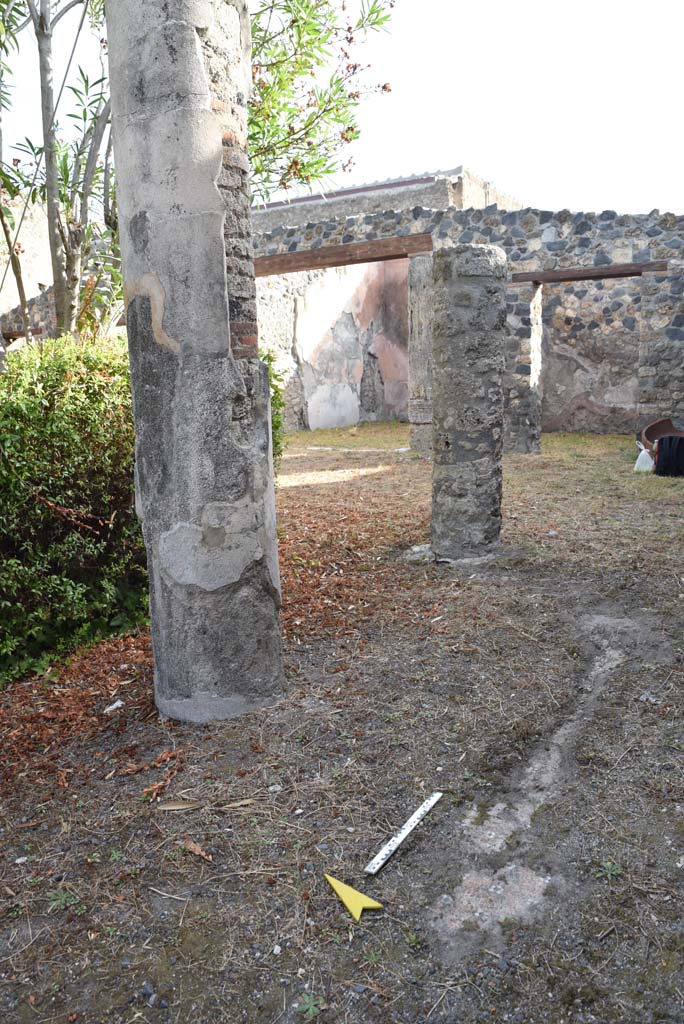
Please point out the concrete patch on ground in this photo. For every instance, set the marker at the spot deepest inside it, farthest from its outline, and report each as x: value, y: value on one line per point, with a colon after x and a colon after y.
x: 492, y: 894
x: 484, y: 900
x: 490, y: 830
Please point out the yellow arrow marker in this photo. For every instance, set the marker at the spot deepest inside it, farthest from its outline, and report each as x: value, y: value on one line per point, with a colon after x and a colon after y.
x: 354, y: 901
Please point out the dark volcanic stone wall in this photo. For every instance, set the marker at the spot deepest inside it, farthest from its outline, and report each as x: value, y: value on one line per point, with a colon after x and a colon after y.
x: 661, y: 354
x: 532, y: 239
x: 590, y: 381
x: 591, y: 355
x: 523, y: 378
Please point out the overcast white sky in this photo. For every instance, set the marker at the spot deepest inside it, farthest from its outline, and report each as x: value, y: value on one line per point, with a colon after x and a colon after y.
x: 575, y: 104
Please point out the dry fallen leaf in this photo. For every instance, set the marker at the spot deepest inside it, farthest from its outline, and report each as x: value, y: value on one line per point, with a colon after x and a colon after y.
x: 194, y: 847
x: 153, y: 792
x: 180, y: 805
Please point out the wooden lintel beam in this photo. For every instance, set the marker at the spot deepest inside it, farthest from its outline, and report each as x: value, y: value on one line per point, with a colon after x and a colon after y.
x: 394, y: 248
x: 16, y: 335
x: 589, y: 273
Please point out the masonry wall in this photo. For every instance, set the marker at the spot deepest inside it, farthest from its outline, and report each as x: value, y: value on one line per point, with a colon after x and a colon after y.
x: 459, y: 188
x: 661, y: 350
x: 36, y: 266
x: 604, y: 332
x: 42, y: 316
x: 523, y: 379
x: 591, y: 355
x: 532, y: 239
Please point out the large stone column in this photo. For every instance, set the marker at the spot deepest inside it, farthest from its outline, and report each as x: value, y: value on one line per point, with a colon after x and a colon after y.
x: 523, y: 373
x: 180, y: 77
x: 661, y: 347
x: 420, y: 353
x: 468, y: 342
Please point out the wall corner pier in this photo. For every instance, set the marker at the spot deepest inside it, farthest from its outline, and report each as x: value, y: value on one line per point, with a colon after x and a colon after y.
x: 468, y: 342
x: 204, y: 474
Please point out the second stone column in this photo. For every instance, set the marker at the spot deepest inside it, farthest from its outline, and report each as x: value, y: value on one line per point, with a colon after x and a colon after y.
x: 468, y: 340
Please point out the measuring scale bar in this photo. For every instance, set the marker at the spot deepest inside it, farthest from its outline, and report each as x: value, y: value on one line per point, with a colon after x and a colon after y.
x: 395, y: 842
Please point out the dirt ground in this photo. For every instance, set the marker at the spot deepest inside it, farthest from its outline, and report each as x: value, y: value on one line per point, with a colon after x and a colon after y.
x: 157, y: 872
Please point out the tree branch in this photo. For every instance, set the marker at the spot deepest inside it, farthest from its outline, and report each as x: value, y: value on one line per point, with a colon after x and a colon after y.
x: 65, y: 10
x: 8, y: 13
x: 91, y: 163
x: 16, y: 270
x: 35, y: 17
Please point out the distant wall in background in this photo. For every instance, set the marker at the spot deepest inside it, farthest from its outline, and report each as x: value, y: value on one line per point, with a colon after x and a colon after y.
x: 36, y: 265
x: 591, y: 355
x: 340, y: 338
x: 601, y: 374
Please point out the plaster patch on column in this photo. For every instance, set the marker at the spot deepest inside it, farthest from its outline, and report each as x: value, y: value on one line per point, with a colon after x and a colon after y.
x: 201, y: 13
x: 150, y: 287
x: 215, y: 554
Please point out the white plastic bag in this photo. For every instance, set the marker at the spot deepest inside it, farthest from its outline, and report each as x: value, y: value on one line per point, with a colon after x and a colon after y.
x: 644, y: 462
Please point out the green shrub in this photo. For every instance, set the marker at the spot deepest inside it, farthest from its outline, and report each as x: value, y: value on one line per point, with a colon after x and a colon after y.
x: 277, y: 382
x: 72, y: 560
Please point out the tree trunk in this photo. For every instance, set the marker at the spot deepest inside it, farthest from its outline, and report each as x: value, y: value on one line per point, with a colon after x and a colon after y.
x: 18, y: 277
x: 14, y: 257
x: 44, y: 39
x: 73, y: 278
x: 203, y: 459
x: 2, y: 90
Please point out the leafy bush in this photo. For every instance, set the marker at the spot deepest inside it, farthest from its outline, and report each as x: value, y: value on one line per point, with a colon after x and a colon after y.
x: 277, y: 383
x: 72, y: 560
